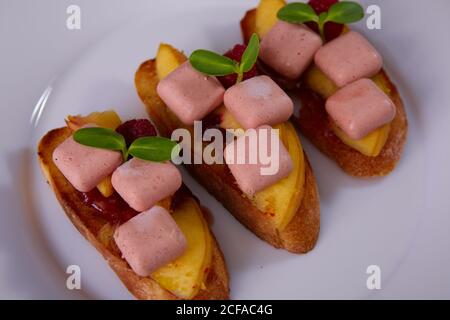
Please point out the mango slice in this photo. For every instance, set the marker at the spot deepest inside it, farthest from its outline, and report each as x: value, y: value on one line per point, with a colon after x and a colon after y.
x: 165, y: 203
x: 184, y: 277
x: 266, y: 15
x: 319, y: 82
x: 283, y: 199
x: 371, y: 145
x: 106, y: 119
x: 227, y: 121
x: 105, y: 187
x: 167, y: 59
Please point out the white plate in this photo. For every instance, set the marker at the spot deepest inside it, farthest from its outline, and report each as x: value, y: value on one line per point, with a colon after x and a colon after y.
x: 363, y: 222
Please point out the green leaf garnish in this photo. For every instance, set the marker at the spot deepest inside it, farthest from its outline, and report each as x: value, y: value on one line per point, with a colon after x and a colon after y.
x: 214, y: 64
x: 297, y: 12
x: 250, y: 54
x: 156, y: 149
x: 103, y: 138
x: 343, y: 12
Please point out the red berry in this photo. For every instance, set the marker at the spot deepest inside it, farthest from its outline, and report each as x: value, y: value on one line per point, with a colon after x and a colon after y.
x: 133, y: 129
x: 332, y: 29
x: 236, y: 54
x: 321, y: 5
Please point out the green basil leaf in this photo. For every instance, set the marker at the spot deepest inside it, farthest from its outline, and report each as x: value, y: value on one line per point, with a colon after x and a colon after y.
x: 345, y: 12
x: 103, y: 138
x: 156, y: 149
x: 250, y: 54
x: 212, y: 63
x: 297, y: 12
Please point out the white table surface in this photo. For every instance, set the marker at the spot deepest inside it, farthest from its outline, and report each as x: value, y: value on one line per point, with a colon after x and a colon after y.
x: 35, y: 47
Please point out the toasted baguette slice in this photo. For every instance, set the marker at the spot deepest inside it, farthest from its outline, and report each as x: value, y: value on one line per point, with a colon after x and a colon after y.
x: 89, y: 223
x: 301, y: 233
x: 313, y: 123
x: 248, y: 25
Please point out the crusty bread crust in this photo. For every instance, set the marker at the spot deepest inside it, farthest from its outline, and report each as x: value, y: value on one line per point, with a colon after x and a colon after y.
x: 301, y: 233
x: 89, y: 223
x: 248, y: 24
x: 314, y: 124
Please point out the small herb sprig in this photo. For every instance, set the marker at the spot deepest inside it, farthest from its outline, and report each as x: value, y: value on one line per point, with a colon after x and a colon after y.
x: 156, y: 149
x: 341, y: 12
x: 214, y: 64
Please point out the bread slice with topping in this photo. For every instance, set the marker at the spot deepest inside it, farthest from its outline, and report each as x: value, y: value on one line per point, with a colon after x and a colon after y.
x: 99, y: 232
x: 299, y: 232
x: 375, y: 155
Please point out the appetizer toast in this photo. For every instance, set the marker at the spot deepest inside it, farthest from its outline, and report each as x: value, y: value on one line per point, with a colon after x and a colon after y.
x: 99, y: 232
x: 315, y: 125
x: 374, y: 155
x: 302, y: 220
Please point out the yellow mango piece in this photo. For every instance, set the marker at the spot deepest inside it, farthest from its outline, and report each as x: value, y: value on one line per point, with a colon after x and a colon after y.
x: 165, y: 203
x: 266, y: 15
x: 208, y: 253
x: 283, y: 199
x: 106, y: 119
x: 105, y: 187
x: 227, y: 119
x: 167, y: 59
x: 319, y: 82
x: 371, y: 145
x: 185, y: 276
x: 381, y: 82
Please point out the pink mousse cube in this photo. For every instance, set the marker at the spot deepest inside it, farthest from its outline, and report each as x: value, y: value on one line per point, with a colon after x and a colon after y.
x: 360, y: 107
x: 258, y: 101
x: 85, y: 166
x: 348, y: 58
x: 254, y: 171
x: 190, y: 94
x: 289, y: 48
x: 143, y: 183
x: 150, y: 240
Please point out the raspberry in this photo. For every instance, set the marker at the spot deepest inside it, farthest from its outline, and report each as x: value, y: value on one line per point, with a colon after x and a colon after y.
x: 133, y: 129
x: 321, y: 5
x: 236, y: 54
x: 332, y: 29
